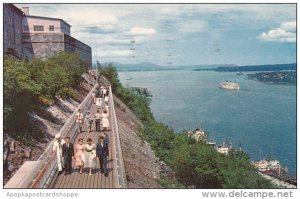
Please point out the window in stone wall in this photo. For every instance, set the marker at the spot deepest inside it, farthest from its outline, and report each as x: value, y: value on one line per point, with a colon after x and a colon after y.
x: 38, y: 28
x: 51, y: 28
x: 25, y: 28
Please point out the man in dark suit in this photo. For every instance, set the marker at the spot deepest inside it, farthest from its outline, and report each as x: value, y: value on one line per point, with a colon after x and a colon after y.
x: 68, y: 155
x: 102, y: 151
x: 106, y: 140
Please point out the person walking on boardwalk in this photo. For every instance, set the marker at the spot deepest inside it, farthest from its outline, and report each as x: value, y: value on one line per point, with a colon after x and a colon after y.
x: 94, y: 97
x: 105, y: 135
x: 97, y: 120
x: 106, y: 140
x: 104, y: 90
x: 57, y: 148
x: 106, y: 107
x: 90, y: 155
x: 79, y: 120
x: 99, y: 103
x: 101, y: 90
x: 68, y: 155
x: 98, y: 92
x: 89, y: 121
x: 105, y: 120
x: 79, y: 155
x: 107, y: 91
x: 106, y: 99
x: 102, y: 151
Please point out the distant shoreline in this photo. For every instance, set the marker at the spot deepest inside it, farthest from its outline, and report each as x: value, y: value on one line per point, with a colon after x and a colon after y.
x: 277, y: 77
x: 148, y: 66
x: 275, y: 67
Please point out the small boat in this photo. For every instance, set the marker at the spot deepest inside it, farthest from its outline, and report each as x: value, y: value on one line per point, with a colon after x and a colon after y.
x: 211, y: 143
x: 129, y: 78
x: 239, y: 73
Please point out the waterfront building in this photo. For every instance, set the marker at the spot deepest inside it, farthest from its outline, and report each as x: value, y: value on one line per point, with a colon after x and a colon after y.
x: 38, y: 36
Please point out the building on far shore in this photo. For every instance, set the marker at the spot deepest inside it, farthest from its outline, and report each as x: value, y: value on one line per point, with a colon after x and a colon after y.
x: 37, y: 36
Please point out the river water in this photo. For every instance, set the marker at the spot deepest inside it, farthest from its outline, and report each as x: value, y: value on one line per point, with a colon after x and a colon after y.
x: 261, y: 117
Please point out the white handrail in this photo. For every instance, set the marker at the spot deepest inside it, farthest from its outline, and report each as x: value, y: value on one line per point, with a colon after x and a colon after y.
x: 118, y: 158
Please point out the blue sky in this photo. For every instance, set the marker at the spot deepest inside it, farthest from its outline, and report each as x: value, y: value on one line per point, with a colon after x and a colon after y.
x: 183, y: 34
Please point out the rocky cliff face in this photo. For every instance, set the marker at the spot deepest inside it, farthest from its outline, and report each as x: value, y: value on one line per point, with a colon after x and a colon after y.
x: 49, y: 120
x: 141, y: 165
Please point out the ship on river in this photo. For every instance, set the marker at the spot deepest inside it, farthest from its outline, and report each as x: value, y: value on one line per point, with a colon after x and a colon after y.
x: 274, y: 169
x: 268, y: 166
x: 229, y: 85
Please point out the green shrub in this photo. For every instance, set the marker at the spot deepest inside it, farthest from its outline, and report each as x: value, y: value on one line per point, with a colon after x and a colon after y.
x: 28, y: 85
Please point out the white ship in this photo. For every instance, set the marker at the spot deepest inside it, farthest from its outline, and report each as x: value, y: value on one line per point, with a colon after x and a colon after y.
x: 267, y: 165
x: 224, y: 149
x: 229, y: 85
x: 198, y: 134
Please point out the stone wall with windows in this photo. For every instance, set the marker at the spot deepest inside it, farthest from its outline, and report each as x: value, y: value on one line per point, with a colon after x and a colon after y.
x: 36, y: 36
x: 35, y: 24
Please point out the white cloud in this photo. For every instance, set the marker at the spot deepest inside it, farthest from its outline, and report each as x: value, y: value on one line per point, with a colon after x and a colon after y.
x: 121, y: 52
x: 90, y: 18
x: 289, y: 26
x: 142, y: 31
x: 113, y: 53
x: 285, y: 33
x: 191, y: 26
x: 103, y: 29
x: 120, y: 39
x: 139, y: 39
x: 114, y: 41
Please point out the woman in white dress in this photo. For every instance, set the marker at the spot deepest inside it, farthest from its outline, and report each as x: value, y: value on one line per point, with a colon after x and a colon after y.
x: 104, y: 90
x: 94, y: 97
x: 105, y: 120
x: 57, y: 148
x: 90, y: 155
x: 106, y: 99
x: 99, y: 103
x: 79, y: 155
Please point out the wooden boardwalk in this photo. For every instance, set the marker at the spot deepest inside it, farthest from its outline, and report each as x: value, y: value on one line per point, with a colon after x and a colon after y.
x: 84, y: 180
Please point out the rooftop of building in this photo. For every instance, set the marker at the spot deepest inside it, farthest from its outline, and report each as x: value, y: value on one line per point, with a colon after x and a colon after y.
x: 14, y: 7
x: 33, y: 16
x: 50, y: 18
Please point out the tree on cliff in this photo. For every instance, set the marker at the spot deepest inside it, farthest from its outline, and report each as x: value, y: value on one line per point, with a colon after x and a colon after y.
x: 29, y: 85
